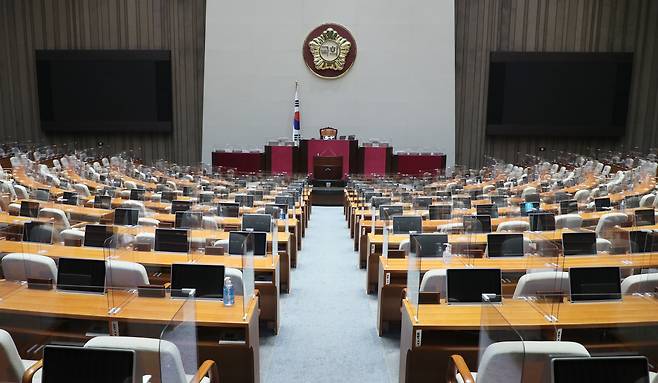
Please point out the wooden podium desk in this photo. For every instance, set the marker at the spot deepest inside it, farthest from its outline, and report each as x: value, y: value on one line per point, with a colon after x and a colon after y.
x: 443, y: 330
x: 36, y: 317
x: 267, y: 270
x: 392, y: 275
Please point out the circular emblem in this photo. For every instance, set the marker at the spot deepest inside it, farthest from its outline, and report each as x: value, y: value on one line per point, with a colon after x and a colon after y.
x: 329, y: 51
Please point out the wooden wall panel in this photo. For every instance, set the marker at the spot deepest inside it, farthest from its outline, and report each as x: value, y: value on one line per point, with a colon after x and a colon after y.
x: 483, y: 26
x: 176, y: 25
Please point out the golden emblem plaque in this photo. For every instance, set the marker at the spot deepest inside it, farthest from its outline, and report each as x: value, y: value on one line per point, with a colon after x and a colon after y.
x: 329, y: 51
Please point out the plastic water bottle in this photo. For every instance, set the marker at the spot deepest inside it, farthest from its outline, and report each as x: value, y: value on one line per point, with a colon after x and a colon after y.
x: 282, y: 215
x: 229, y: 292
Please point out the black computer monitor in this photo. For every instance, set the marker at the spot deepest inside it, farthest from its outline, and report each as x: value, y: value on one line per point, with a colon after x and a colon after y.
x: 632, y: 201
x: 489, y: 209
x: 99, y: 236
x: 103, y: 202
x: 174, y: 240
x: 109, y: 191
x: 437, y: 212
x: 72, y: 364
x: 137, y: 194
x: 594, y: 284
x: 542, y: 221
x: 285, y: 199
x: 376, y: 202
x: 228, y: 209
x: 645, y: 217
x: 641, y: 241
x: 586, y: 369
x: 404, y: 224
x: 368, y: 195
x: 29, y: 209
x: 275, y: 209
x: 206, y: 197
x: 126, y: 216
x: 168, y: 196
x: 602, y: 204
x: 257, y: 222
x: 582, y: 243
x: 461, y: 202
x: 188, y: 220
x: 70, y: 198
x: 562, y: 196
x: 474, y: 224
x: 42, y: 194
x: 499, y: 200
x: 245, y: 200
x: 237, y: 245
x: 468, y: 285
x: 528, y: 207
x: 177, y: 206
x: 207, y: 280
x: 422, y: 203
x: 38, y: 232
x: 532, y: 197
x: 258, y: 194
x: 82, y: 275
x: 431, y: 244
x: 443, y: 194
x: 505, y: 245
x: 386, y: 212
x: 188, y: 191
x: 569, y: 206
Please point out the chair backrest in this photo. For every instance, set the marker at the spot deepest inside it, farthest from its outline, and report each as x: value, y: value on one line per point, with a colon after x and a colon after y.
x: 148, y: 222
x: 57, y: 215
x: 82, y: 190
x: 7, y: 187
x: 524, y: 362
x: 581, y: 195
x: 21, y: 266
x: 647, y: 200
x: 130, y: 185
x: 568, y: 221
x: 124, y: 274
x: 21, y: 192
x: 209, y: 223
x: 132, y: 204
x: 640, y: 283
x: 153, y: 357
x: 515, y: 226
x: 610, y: 220
x: 527, y: 191
x: 328, y: 133
x: 434, y: 280
x: 12, y: 367
x: 542, y: 282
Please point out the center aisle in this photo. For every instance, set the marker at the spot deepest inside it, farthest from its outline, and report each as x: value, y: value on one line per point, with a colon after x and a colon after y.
x: 328, y: 329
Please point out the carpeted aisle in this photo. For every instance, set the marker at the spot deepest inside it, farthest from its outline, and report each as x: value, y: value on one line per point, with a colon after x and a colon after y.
x: 328, y: 331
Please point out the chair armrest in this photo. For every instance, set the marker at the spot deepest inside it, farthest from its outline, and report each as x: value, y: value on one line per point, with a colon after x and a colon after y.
x: 209, y: 368
x: 457, y: 365
x: 29, y: 373
x: 79, y: 225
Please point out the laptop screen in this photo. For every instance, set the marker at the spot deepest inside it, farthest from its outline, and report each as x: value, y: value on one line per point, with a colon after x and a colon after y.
x: 431, y: 244
x: 645, y: 217
x: 594, y: 283
x: 126, y: 217
x: 245, y: 200
x: 257, y: 222
x: 505, y: 245
x: 84, y: 364
x: 602, y: 204
x: 188, y: 220
x: 468, y: 285
x: 437, y: 212
x: 569, y: 206
x: 618, y: 369
x: 487, y: 209
x: 174, y: 240
x: 407, y: 223
x: 386, y: 212
x: 207, y: 280
x: 474, y: 224
x: 579, y: 243
x: 137, y: 194
x: 84, y: 275
x: 236, y: 243
x: 29, y: 209
x: 228, y: 210
x: 177, y: 206
x: 39, y: 232
x: 542, y: 221
x: 99, y: 236
x: 102, y: 202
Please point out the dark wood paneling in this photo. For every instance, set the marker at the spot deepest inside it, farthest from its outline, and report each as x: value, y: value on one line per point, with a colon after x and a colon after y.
x: 176, y: 25
x: 482, y: 26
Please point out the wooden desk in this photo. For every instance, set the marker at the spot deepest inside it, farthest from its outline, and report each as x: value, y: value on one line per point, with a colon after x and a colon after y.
x: 267, y: 270
x: 35, y: 317
x: 79, y: 213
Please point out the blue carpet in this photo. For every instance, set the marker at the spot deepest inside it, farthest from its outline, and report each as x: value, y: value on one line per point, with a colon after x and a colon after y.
x: 328, y: 323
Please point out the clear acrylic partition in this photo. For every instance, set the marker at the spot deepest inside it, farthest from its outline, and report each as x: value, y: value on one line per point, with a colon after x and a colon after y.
x: 123, y: 272
x: 249, y: 294
x: 498, y: 334
x: 274, y: 232
x: 178, y: 345
x: 413, y: 281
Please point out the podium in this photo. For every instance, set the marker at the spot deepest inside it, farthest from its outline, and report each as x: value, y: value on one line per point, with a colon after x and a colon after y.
x: 328, y: 168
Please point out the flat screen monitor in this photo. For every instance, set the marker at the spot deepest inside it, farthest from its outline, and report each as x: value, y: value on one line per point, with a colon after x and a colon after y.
x: 103, y: 202
x: 594, y: 284
x: 461, y: 202
x: 38, y: 232
x: 188, y: 191
x: 405, y: 224
x: 558, y: 94
x: 505, y: 245
x: 29, y: 209
x: 173, y: 240
x: 561, y: 196
x: 437, y: 212
x: 645, y: 217
x: 42, y: 194
x: 443, y: 194
x: 238, y: 246
x: 474, y: 224
x: 206, y: 280
x: 542, y: 221
x: 376, y: 202
x: 532, y: 197
x: 569, y: 206
x: 245, y: 200
x: 597, y: 369
x: 468, y: 285
x: 499, y: 200
x: 228, y: 209
x: 258, y: 194
x: 82, y: 275
x: 188, y: 220
x: 110, y: 191
x: 422, y: 203
x: 386, y: 212
x: 168, y: 196
x: 275, y: 209
x: 137, y: 194
x: 367, y: 196
x: 632, y: 202
x: 602, y: 204
x: 641, y: 241
x: 528, y: 207
x: 126, y: 217
x: 257, y: 222
x: 99, y: 236
x: 579, y: 243
x: 285, y: 199
x: 177, y: 206
x: 68, y: 196
x: 87, y: 364
x: 431, y: 244
x: 489, y: 209
x: 206, y: 197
